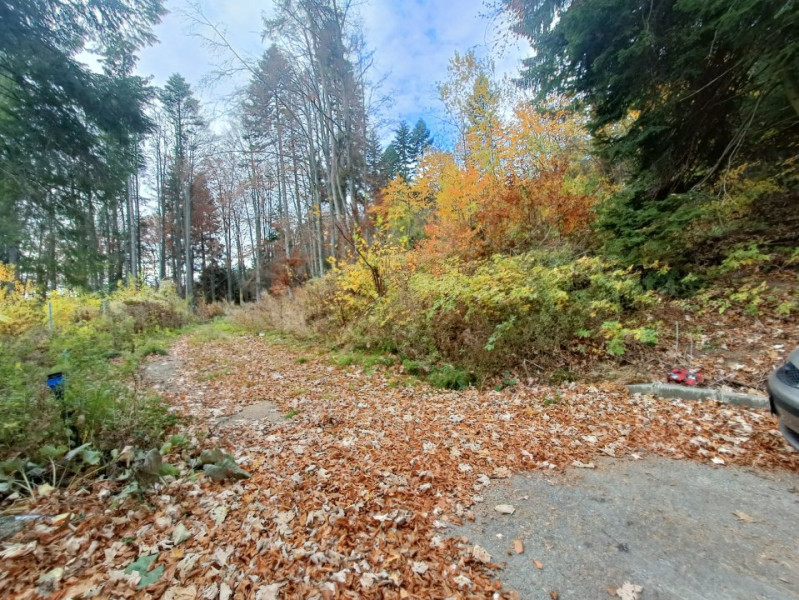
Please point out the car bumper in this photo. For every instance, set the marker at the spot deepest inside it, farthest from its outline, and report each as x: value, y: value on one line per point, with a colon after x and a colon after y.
x: 785, y: 404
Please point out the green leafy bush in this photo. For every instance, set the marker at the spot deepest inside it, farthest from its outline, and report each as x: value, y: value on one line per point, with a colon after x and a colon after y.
x: 743, y: 256
x: 618, y: 336
x: 488, y: 315
x: 450, y: 378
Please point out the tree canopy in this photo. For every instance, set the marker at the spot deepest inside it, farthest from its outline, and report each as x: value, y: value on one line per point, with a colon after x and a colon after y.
x: 402, y: 155
x: 68, y: 135
x: 679, y: 92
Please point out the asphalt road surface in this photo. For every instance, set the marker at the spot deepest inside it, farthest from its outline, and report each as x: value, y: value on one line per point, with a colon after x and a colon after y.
x: 680, y: 530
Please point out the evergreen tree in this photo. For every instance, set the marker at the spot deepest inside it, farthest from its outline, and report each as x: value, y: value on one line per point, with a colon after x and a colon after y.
x: 68, y: 135
x: 421, y: 140
x: 183, y: 114
x: 402, y: 155
x: 679, y: 91
x: 390, y: 162
x: 403, y: 146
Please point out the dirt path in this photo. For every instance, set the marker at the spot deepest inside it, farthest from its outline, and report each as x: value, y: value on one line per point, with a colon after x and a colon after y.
x: 358, y: 480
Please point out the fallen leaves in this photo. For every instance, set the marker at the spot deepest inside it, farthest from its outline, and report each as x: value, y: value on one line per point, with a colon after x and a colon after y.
x: 180, y: 534
x: 11, y: 551
x: 581, y: 465
x: 141, y: 568
x: 481, y: 555
x: 269, y: 592
x: 354, y: 496
x: 419, y: 567
x: 181, y: 593
x: 742, y: 516
x: 219, y: 514
x: 629, y: 591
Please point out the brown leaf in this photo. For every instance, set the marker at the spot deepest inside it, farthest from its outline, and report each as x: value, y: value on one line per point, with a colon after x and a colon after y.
x: 629, y: 591
x: 480, y: 554
x: 518, y: 546
x: 554, y: 595
x: 743, y: 516
x: 538, y: 564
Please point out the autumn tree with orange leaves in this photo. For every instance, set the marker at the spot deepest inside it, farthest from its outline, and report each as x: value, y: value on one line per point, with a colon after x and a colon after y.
x: 520, y: 177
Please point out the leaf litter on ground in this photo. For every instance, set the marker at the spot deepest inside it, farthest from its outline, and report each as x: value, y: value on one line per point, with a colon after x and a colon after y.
x: 342, y: 500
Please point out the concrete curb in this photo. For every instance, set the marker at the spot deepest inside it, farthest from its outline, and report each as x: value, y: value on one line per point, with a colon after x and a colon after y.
x: 668, y: 390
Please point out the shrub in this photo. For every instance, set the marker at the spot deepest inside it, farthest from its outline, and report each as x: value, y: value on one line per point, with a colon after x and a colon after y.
x: 276, y: 313
x: 151, y: 348
x: 450, y: 378
x: 411, y: 367
x: 211, y: 310
x: 345, y: 360
x: 492, y: 314
x: 97, y: 405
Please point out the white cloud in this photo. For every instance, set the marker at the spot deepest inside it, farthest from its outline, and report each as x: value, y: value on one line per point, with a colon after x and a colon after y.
x: 413, y: 41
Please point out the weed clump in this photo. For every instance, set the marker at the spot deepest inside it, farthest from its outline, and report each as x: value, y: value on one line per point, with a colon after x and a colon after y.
x: 450, y: 378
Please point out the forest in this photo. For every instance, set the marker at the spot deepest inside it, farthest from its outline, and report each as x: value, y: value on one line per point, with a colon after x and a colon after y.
x: 623, y: 202
x: 107, y: 177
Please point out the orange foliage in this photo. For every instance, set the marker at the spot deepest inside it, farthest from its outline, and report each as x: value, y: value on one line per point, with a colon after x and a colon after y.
x: 539, y: 188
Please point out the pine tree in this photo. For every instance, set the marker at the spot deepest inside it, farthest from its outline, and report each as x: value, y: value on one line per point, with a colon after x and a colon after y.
x: 183, y: 113
x: 421, y: 140
x: 403, y: 145
x: 401, y: 157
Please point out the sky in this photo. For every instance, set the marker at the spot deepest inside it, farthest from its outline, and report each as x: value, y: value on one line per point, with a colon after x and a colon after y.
x: 412, y: 41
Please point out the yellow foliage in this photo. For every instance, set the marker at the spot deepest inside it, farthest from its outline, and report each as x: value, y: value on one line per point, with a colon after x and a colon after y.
x: 738, y: 190
x: 522, y: 181
x: 21, y: 309
x: 70, y: 307
x: 18, y: 311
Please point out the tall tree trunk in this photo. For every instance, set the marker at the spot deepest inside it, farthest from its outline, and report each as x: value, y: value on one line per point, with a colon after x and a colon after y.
x: 283, y: 199
x: 258, y: 239
x: 94, y: 275
x: 137, y: 223
x: 161, y: 200
x: 239, y: 257
x: 187, y: 238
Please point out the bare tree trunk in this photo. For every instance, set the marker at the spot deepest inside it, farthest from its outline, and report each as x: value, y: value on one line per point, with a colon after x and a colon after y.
x: 258, y: 231
x: 187, y: 238
x: 137, y: 224
x: 239, y: 256
x: 159, y: 191
x: 283, y: 199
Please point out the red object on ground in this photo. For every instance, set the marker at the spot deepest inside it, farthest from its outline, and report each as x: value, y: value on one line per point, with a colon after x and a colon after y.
x: 695, y: 377
x: 678, y: 374
x: 686, y: 376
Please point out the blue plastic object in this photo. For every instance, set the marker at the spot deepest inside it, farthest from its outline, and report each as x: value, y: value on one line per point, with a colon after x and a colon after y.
x: 55, y: 381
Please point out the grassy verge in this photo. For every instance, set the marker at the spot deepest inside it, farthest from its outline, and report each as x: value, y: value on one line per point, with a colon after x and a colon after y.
x: 52, y: 432
x: 255, y: 321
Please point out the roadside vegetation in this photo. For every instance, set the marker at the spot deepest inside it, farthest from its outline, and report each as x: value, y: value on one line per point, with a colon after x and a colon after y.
x: 95, y: 407
x: 591, y: 224
x: 509, y: 252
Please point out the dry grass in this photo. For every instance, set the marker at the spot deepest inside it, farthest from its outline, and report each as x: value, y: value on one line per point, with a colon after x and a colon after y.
x: 280, y: 313
x: 211, y: 310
